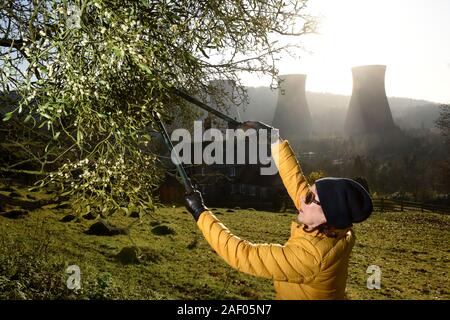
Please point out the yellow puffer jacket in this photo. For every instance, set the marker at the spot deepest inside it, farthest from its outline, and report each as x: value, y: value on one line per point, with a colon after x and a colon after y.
x: 309, y: 265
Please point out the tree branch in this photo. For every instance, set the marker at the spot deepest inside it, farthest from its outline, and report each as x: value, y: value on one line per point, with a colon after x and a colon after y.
x: 14, y: 43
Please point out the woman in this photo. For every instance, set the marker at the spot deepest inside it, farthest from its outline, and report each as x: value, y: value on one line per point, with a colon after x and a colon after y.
x: 313, y: 263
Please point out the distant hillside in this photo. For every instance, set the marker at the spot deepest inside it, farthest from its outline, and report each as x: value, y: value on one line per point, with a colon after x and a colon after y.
x: 411, y: 114
x: 329, y: 110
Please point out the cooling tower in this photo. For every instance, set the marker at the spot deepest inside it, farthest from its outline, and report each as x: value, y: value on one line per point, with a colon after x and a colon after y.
x: 368, y: 111
x: 292, y: 114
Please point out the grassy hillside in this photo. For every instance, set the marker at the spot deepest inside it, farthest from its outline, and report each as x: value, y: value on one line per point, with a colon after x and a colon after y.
x: 174, y: 262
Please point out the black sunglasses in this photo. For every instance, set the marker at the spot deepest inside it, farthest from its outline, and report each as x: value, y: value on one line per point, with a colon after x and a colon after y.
x: 310, y: 198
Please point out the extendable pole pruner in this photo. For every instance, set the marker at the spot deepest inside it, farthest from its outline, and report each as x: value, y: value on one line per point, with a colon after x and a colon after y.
x: 182, y: 172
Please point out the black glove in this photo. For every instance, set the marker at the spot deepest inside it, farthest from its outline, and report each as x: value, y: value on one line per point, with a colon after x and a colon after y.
x: 194, y: 204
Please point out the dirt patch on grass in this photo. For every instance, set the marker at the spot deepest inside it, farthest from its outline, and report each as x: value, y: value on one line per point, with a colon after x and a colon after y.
x: 103, y: 228
x: 162, y: 230
x: 15, y: 214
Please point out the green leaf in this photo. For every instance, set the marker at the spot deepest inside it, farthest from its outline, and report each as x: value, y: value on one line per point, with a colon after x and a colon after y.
x: 8, y: 116
x: 203, y: 52
x: 55, y: 137
x: 46, y: 116
x: 145, y: 68
x: 79, y: 136
x: 131, y: 208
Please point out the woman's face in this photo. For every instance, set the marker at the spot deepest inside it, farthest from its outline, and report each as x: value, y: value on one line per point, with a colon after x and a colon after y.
x: 311, y: 215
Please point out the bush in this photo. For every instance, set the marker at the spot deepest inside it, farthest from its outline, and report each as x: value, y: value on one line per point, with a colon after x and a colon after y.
x: 27, y: 270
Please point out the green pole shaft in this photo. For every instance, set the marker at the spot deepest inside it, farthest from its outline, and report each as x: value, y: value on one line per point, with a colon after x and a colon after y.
x: 182, y: 172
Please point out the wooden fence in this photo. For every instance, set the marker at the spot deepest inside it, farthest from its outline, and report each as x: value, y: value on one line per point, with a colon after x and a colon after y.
x: 382, y: 205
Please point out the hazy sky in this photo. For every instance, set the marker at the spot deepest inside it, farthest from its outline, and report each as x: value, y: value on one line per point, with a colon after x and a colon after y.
x: 411, y: 37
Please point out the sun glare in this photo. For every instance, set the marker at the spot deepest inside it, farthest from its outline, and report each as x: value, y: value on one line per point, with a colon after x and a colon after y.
x: 406, y: 36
